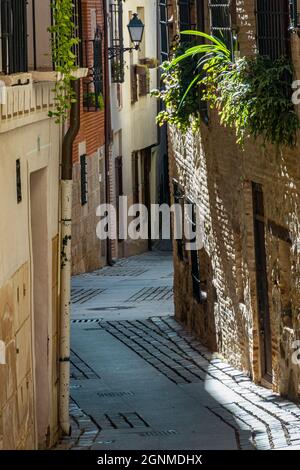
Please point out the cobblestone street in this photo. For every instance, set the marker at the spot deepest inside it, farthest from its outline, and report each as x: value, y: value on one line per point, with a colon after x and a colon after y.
x: 140, y: 381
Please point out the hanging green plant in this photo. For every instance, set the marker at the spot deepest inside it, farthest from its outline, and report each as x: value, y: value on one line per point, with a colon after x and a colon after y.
x: 251, y: 94
x: 180, y: 109
x: 63, y: 42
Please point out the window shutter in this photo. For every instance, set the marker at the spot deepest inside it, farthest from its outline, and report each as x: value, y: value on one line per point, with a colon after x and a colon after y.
x: 119, y: 176
x: 144, y: 84
x: 83, y: 180
x: 134, y: 84
x: 135, y: 177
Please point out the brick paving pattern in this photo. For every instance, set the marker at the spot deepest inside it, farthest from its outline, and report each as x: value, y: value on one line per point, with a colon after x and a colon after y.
x: 113, y: 360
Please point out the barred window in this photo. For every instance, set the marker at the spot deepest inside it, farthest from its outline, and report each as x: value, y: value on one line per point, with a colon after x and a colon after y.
x: 221, y: 20
x: 273, y: 21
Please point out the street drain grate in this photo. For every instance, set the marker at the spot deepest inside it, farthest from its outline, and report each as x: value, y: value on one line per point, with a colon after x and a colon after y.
x: 169, y: 432
x: 109, y: 309
x: 82, y: 296
x: 126, y: 420
x: 87, y: 320
x: 115, y: 394
x: 152, y: 294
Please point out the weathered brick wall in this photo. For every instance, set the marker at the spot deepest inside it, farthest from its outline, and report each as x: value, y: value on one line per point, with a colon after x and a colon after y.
x: 88, y: 253
x: 218, y: 175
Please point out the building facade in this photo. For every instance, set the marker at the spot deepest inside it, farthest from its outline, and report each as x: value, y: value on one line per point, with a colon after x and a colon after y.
x: 135, y: 156
x: 89, y: 175
x: 240, y: 292
x: 30, y: 207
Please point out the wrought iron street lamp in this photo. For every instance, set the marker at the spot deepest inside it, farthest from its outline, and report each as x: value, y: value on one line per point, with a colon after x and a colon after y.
x: 136, y: 31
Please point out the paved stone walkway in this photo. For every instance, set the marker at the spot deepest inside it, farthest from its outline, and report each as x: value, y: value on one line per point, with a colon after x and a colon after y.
x: 141, y: 381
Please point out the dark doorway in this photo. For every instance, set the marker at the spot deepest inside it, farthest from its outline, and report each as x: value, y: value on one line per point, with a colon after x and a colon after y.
x: 262, y: 283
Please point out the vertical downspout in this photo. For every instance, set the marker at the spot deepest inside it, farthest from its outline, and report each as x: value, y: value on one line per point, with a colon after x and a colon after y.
x: 66, y: 266
x: 107, y: 124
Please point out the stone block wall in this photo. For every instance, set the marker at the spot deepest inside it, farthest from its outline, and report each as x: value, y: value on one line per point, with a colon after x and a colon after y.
x: 16, y: 376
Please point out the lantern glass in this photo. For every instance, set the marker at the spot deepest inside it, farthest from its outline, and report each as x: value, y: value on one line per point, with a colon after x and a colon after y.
x: 136, y: 30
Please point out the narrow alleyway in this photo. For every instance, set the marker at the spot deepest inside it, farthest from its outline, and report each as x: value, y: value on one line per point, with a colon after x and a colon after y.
x: 140, y: 381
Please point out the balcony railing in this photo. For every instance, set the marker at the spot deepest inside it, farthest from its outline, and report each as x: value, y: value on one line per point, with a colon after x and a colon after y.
x: 93, y: 83
x: 13, y: 33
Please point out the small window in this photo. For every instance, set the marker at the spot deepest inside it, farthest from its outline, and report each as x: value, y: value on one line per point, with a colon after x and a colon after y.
x: 273, y: 21
x: 83, y: 180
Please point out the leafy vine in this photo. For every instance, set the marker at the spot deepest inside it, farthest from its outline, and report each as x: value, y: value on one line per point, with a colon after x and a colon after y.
x: 251, y: 94
x: 63, y: 41
x: 179, y: 109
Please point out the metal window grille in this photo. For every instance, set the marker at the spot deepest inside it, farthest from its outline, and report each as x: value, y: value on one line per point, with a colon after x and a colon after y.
x: 220, y: 20
x: 273, y: 21
x: 13, y: 34
x: 164, y: 30
x: 83, y: 180
x: 93, y: 83
x: 117, y: 41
